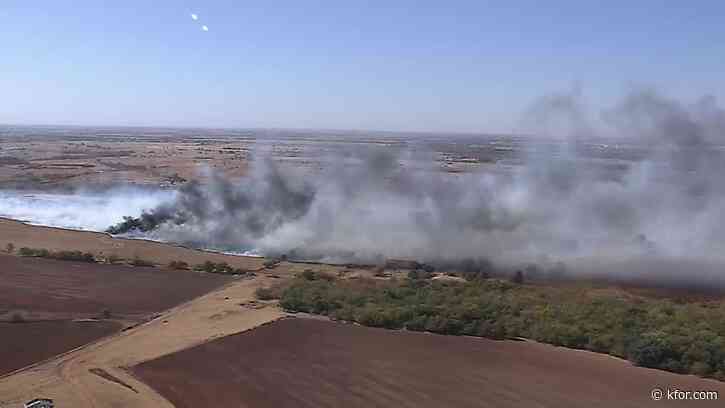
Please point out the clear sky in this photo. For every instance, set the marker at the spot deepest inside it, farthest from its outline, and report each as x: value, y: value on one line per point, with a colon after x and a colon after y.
x: 395, y: 65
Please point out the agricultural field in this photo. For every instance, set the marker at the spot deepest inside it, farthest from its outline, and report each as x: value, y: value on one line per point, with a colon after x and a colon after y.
x: 30, y: 342
x: 316, y: 363
x: 48, y: 306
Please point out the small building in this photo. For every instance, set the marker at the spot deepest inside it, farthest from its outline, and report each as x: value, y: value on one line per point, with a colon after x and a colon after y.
x: 40, y: 403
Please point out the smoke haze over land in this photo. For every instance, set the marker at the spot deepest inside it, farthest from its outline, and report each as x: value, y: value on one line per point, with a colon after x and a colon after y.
x: 639, y: 181
x: 84, y: 209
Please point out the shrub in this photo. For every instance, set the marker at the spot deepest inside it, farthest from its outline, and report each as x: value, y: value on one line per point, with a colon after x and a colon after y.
x: 180, y: 265
x: 141, y: 262
x: 34, y: 252
x: 265, y: 294
x: 207, y: 266
x: 221, y: 267
x: 73, y: 256
x: 309, y: 274
x: 113, y: 259
x: 652, y: 350
x: 59, y: 255
x: 10, y: 248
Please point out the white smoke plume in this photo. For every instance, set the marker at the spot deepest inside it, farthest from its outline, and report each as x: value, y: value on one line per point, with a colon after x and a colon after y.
x: 82, y: 209
x: 635, y: 192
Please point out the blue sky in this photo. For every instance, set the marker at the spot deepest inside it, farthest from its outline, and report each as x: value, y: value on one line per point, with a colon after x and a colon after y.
x: 399, y: 65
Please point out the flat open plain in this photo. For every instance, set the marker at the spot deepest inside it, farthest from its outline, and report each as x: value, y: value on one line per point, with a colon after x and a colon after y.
x: 27, y: 343
x: 55, y: 239
x: 48, y: 307
x: 202, y: 306
x: 316, y: 363
x: 64, y: 289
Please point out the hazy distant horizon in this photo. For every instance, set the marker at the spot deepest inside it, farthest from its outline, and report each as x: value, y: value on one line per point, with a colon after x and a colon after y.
x: 361, y: 131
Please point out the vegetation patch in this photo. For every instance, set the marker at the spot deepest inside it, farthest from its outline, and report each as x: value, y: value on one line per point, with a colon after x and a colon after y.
x: 270, y: 293
x: 655, y: 333
x: 141, y: 262
x: 78, y: 256
x: 179, y: 265
x: 221, y: 267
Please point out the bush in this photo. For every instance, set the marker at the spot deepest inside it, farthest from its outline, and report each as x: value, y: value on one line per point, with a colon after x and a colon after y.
x: 652, y: 350
x: 221, y: 267
x: 10, y: 248
x: 34, y: 252
x: 309, y: 274
x: 207, y: 266
x: 113, y: 259
x: 141, y: 262
x: 59, y: 255
x: 73, y: 256
x: 265, y: 294
x: 179, y: 265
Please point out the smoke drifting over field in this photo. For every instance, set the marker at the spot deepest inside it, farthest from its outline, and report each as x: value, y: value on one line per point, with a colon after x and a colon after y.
x: 656, y: 194
x: 91, y: 210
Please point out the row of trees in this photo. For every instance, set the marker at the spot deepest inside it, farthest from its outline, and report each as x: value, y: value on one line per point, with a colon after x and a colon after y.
x: 684, y: 338
x: 208, y: 266
x: 60, y: 255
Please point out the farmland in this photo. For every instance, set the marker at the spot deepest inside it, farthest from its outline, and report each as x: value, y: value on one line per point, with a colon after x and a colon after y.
x: 48, y: 307
x: 30, y: 342
x: 315, y: 363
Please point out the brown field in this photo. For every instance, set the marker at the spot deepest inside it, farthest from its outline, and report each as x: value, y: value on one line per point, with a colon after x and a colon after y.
x: 79, y: 290
x: 71, y: 157
x: 27, y: 343
x: 211, y: 350
x: 315, y: 363
x: 94, y: 374
x: 47, y: 161
x: 42, y: 301
x: 103, y: 245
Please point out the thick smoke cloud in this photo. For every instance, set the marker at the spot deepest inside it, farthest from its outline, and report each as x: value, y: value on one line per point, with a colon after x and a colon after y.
x: 654, y: 192
x: 634, y: 192
x: 85, y: 209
